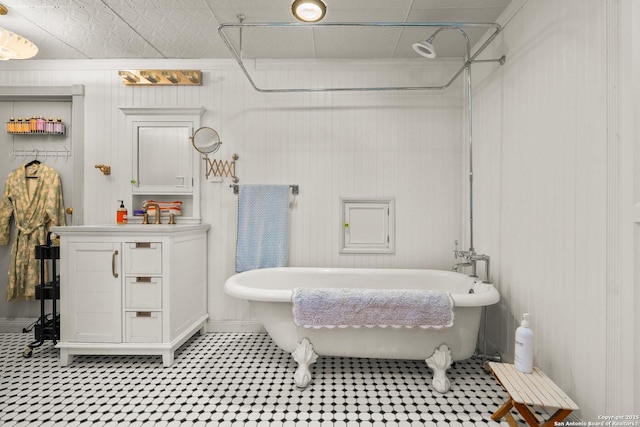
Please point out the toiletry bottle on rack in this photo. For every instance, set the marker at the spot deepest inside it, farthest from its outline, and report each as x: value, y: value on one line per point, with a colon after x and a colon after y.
x: 59, y: 127
x: 39, y: 124
x: 121, y: 214
x: 523, y: 353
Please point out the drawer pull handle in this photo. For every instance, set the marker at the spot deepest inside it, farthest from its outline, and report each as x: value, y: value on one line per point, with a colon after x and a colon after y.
x: 140, y: 245
x: 143, y: 314
x: 113, y: 263
x: 143, y: 279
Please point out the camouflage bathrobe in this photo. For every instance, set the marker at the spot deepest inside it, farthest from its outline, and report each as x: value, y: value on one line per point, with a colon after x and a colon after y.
x: 35, y: 204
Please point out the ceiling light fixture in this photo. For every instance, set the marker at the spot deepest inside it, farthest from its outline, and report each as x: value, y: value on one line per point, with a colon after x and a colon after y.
x: 13, y: 46
x: 309, y: 10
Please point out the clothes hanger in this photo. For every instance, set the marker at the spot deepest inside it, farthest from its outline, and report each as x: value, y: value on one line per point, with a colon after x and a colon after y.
x: 32, y: 162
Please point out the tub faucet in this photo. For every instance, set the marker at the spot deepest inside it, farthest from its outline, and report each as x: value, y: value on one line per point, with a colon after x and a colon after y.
x: 487, y: 260
x: 471, y: 258
x: 461, y: 265
x: 465, y: 255
x: 157, y: 219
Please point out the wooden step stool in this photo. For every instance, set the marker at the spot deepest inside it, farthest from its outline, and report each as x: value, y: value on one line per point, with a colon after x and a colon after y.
x: 535, y: 389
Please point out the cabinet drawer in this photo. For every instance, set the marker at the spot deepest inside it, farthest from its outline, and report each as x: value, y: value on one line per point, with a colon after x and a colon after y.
x: 143, y: 292
x: 143, y: 258
x: 142, y: 326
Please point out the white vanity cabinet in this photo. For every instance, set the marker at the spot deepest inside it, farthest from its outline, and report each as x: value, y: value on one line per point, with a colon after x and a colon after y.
x: 131, y: 289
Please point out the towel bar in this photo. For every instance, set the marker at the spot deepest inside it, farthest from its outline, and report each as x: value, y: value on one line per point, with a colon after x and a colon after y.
x: 295, y: 189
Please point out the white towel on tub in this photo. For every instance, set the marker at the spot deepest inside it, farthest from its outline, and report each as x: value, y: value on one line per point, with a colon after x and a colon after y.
x: 349, y: 307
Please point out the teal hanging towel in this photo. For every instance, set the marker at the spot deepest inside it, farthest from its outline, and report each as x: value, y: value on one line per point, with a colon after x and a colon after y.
x: 263, y: 227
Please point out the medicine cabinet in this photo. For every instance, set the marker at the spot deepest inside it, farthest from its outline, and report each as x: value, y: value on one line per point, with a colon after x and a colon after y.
x: 161, y: 163
x: 368, y: 226
x: 164, y: 165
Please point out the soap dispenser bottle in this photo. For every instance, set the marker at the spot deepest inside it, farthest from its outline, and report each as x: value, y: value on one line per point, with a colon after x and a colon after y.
x: 523, y: 354
x: 121, y: 214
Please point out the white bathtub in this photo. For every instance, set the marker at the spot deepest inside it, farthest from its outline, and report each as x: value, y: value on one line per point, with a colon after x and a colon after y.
x: 269, y: 292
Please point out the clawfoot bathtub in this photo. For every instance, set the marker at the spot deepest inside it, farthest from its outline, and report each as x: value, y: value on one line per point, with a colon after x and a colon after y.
x: 269, y: 292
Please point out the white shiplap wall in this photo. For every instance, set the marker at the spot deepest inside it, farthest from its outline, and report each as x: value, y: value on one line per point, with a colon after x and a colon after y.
x: 406, y: 145
x: 547, y: 187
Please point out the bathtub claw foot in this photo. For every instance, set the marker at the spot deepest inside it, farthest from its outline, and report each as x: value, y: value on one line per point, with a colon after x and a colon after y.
x: 439, y: 362
x: 305, y: 356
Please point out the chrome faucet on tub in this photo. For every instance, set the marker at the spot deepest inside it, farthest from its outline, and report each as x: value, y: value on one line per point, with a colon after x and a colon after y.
x: 470, y: 259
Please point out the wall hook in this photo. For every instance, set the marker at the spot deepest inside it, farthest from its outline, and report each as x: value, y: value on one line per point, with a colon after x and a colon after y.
x: 104, y: 169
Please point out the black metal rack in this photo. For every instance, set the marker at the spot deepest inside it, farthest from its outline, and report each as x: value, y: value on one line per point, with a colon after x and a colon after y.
x: 47, y: 327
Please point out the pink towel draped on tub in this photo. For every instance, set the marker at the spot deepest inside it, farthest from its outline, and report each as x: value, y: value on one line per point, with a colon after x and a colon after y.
x: 343, y: 308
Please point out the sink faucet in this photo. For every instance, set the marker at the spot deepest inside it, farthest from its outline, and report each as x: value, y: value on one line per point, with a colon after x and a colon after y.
x: 471, y: 258
x: 157, y: 219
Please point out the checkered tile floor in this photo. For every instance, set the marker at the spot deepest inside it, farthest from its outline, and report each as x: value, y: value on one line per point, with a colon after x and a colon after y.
x: 234, y: 379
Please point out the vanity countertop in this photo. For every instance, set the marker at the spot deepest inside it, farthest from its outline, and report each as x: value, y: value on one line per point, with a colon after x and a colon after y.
x: 128, y: 228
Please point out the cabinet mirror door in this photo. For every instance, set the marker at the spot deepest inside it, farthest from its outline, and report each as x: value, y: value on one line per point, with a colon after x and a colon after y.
x: 163, y: 159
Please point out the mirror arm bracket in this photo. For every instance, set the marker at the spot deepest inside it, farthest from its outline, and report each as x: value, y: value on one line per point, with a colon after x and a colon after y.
x: 221, y: 168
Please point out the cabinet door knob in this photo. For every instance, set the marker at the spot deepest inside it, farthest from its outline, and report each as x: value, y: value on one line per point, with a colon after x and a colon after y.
x: 69, y: 211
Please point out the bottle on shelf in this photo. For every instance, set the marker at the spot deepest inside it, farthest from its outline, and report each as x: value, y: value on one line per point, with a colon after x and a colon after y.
x: 59, y: 126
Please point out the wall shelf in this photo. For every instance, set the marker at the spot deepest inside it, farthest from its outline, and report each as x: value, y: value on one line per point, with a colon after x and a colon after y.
x: 36, y: 133
x: 36, y: 126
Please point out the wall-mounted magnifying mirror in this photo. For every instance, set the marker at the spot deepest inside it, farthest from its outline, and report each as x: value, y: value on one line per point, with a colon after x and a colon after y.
x: 206, y: 140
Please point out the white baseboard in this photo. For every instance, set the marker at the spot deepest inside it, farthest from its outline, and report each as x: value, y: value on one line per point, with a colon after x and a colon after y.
x: 234, y: 326
x: 15, y: 325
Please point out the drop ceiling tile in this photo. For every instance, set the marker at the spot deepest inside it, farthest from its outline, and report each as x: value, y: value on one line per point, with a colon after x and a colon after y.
x: 368, y: 4
x: 278, y: 43
x: 367, y: 15
x: 90, y: 28
x: 358, y: 43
